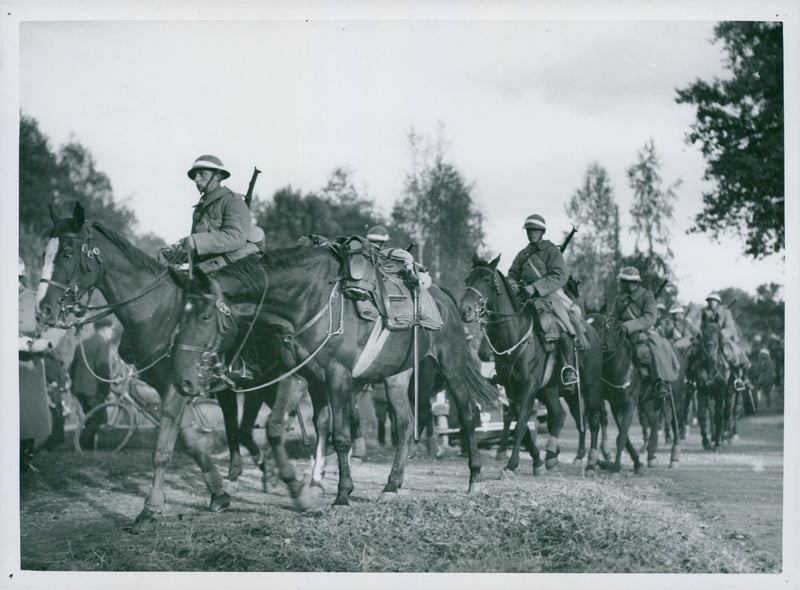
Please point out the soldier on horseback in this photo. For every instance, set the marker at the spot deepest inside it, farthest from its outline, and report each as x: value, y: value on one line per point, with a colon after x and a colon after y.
x: 717, y: 313
x: 221, y: 227
x: 538, y: 274
x: 635, y: 310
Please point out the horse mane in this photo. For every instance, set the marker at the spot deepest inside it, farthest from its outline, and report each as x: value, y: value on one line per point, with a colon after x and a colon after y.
x: 132, y: 252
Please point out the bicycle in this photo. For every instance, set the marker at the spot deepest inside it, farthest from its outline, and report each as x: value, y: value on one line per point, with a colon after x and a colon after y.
x: 122, y: 417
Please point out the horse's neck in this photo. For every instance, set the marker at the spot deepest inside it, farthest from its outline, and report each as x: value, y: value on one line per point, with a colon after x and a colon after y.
x: 508, y: 327
x: 155, y: 311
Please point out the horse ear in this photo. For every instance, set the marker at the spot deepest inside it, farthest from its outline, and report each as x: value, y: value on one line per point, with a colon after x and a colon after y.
x: 475, y: 259
x: 78, y: 217
x: 494, y: 262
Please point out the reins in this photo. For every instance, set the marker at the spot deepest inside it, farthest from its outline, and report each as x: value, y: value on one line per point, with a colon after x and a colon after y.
x: 331, y: 333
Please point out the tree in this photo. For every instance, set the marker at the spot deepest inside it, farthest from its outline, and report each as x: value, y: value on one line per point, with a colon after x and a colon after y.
x: 740, y: 131
x: 439, y: 214
x: 338, y: 210
x: 47, y: 179
x: 594, y: 253
x: 651, y: 211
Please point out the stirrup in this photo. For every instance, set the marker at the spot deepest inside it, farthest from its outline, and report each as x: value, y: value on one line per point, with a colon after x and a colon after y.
x: 739, y: 385
x: 571, y: 381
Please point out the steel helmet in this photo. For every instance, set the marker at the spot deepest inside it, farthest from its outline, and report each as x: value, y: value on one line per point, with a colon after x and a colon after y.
x: 208, y: 162
x: 629, y: 273
x: 763, y: 352
x: 23, y: 272
x: 676, y: 309
x: 534, y: 222
x: 660, y: 305
x: 377, y: 233
x: 714, y: 296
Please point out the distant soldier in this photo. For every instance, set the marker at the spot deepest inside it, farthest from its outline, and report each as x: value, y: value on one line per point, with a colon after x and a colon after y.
x: 662, y: 316
x: 539, y: 273
x: 222, y: 231
x: 413, y: 274
x: 635, y: 310
x: 763, y: 375
x: 678, y: 329
x: 716, y: 312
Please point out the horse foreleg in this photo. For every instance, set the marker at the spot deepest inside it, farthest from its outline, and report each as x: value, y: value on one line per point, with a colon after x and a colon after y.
x: 675, y: 453
x: 574, y: 408
x: 524, y: 408
x: 397, y: 395
x: 604, y: 431
x: 230, y: 415
x: 172, y: 407
x: 196, y: 447
x: 286, y: 399
x: 651, y: 411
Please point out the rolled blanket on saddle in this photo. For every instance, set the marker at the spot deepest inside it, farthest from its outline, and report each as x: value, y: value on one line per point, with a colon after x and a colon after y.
x: 662, y: 359
x: 566, y: 315
x: 734, y: 353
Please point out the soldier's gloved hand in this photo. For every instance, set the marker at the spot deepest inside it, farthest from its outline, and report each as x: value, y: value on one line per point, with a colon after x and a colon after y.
x: 626, y: 327
x: 530, y: 290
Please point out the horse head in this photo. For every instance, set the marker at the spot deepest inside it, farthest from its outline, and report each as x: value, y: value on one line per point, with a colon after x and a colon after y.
x: 206, y: 332
x: 72, y: 268
x: 483, y: 288
x: 711, y: 358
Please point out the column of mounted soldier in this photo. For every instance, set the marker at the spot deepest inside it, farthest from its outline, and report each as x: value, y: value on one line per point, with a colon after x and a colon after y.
x: 222, y: 232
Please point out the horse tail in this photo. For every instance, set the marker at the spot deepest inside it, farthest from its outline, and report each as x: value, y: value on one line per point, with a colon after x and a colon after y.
x: 484, y: 392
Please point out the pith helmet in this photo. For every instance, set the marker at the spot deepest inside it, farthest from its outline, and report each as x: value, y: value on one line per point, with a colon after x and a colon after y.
x: 23, y: 272
x: 714, y: 296
x: 208, y: 162
x: 377, y: 233
x: 629, y: 273
x: 660, y: 306
x: 676, y: 309
x: 763, y: 352
x: 534, y: 222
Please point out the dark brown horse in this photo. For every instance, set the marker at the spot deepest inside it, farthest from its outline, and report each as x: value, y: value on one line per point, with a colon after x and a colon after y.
x: 625, y: 389
x: 82, y: 256
x: 527, y: 370
x: 716, y: 395
x: 301, y: 285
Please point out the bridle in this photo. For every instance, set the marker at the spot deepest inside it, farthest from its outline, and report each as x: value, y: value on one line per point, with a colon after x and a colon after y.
x: 610, y: 353
x: 488, y: 316
x: 70, y: 302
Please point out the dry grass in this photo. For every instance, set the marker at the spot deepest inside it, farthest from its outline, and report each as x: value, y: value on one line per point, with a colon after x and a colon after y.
x: 549, y: 524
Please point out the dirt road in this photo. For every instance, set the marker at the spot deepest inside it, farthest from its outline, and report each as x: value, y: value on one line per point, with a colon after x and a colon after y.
x: 75, y: 505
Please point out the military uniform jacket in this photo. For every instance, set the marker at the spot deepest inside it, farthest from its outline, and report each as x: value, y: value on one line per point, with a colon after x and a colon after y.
x: 637, y: 307
x: 221, y: 226
x: 549, y: 262
x: 722, y: 316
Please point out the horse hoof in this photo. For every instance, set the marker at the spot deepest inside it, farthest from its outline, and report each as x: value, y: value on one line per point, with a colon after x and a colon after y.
x: 652, y: 462
x: 235, y: 470
x: 577, y: 461
x: 507, y: 474
x: 538, y: 468
x: 219, y: 502
x: 304, y: 500
x: 501, y: 456
x: 388, y: 497
x: 341, y: 502
x: 674, y: 464
x: 475, y: 487
x: 551, y: 464
x: 145, y: 523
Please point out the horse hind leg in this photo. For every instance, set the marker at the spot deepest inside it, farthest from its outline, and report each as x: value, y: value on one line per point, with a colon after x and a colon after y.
x: 397, y: 396
x: 230, y: 415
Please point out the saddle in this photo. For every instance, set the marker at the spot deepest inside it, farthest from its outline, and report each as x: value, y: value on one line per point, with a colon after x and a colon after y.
x: 382, y: 282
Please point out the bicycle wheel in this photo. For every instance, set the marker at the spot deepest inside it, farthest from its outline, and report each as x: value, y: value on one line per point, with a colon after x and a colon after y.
x: 118, y: 422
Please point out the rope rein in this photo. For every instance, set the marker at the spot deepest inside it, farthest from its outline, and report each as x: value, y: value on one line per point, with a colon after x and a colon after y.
x: 331, y: 333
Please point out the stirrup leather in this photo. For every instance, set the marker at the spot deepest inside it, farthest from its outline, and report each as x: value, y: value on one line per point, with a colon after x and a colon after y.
x: 572, y: 381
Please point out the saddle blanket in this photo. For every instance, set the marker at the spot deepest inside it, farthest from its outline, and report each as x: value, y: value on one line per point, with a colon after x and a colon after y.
x: 401, y: 312
x: 665, y: 364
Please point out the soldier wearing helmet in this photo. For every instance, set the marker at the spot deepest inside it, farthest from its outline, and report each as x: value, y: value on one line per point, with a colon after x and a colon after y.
x: 378, y: 236
x: 636, y: 312
x: 716, y: 312
x: 221, y: 227
x: 539, y: 272
x: 678, y: 329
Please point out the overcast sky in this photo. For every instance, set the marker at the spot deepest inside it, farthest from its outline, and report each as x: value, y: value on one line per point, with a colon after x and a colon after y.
x: 525, y: 105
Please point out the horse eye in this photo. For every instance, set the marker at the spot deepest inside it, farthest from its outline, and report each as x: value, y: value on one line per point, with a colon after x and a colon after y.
x: 67, y: 253
x: 205, y: 317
